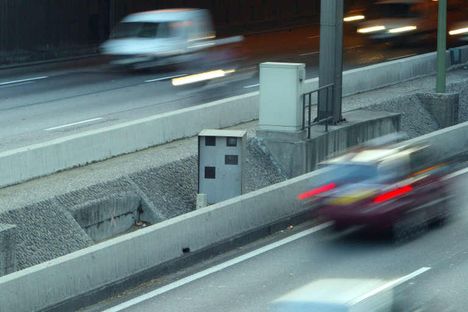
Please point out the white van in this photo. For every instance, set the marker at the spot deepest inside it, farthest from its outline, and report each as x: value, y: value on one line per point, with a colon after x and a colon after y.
x: 161, y: 37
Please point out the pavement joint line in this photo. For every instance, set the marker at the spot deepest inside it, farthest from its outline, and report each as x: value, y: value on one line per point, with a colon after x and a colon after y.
x: 165, y: 78
x: 74, y: 124
x: 401, y: 57
x: 22, y: 80
x: 391, y: 284
x: 353, y: 47
x: 217, y: 268
x: 309, y: 53
x: 251, y: 86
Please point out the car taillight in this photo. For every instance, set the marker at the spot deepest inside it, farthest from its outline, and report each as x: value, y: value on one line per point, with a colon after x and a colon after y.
x: 392, y: 194
x: 316, y: 191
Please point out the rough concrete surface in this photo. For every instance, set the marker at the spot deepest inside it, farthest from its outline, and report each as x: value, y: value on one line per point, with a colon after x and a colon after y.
x: 7, y: 249
x: 164, y: 177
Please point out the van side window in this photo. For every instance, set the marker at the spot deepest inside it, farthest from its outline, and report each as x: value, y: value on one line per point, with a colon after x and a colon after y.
x: 164, y: 30
x: 148, y: 30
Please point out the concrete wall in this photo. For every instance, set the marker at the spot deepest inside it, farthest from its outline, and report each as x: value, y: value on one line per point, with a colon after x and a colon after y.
x: 361, y: 126
x: 7, y: 249
x: 37, y: 160
x: 109, y: 217
x: 297, y: 155
x: 69, y: 276
x: 444, y: 107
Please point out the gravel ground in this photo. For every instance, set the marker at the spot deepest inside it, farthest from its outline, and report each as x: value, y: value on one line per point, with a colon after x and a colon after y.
x: 164, y: 177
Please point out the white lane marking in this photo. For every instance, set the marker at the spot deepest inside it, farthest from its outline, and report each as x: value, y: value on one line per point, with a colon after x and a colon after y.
x: 309, y: 53
x: 22, y: 80
x: 456, y: 174
x: 16, y: 84
x: 73, y: 124
x: 251, y: 86
x: 216, y: 268
x: 164, y: 78
x: 391, y: 284
x: 401, y: 57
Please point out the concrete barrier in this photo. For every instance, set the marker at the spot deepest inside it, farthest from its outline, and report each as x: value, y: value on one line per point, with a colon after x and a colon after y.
x: 37, y: 160
x: 387, y: 73
x: 64, y: 278
x: 41, y: 159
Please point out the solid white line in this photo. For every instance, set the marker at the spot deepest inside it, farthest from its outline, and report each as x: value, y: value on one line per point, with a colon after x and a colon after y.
x: 309, y: 53
x: 217, y: 268
x: 391, y: 284
x: 251, y: 86
x: 456, y: 174
x: 73, y: 124
x: 22, y: 80
x: 165, y: 78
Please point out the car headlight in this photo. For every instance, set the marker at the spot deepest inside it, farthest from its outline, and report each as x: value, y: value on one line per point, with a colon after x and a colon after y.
x: 458, y: 31
x: 371, y: 29
x: 402, y: 29
x: 353, y: 18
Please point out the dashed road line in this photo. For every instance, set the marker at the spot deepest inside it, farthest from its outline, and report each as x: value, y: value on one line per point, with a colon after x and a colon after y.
x: 164, y: 78
x: 74, y: 124
x: 22, y: 80
x: 251, y: 86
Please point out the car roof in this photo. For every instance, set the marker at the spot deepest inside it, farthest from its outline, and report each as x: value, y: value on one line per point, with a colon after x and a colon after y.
x: 166, y: 15
x: 373, y: 155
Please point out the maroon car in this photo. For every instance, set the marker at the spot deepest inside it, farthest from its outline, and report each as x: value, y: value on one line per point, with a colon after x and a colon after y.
x: 394, y: 189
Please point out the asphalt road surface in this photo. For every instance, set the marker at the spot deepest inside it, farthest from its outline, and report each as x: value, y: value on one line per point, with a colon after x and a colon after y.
x: 39, y: 104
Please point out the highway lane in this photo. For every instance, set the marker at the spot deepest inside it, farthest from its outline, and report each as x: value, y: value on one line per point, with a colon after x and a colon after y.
x: 40, y: 105
x: 253, y: 283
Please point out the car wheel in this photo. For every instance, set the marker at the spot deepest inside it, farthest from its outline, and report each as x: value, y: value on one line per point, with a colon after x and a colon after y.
x: 444, y: 211
x: 338, y: 226
x: 408, y: 226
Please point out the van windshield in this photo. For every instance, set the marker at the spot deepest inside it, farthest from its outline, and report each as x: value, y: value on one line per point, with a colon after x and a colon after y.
x: 140, y: 30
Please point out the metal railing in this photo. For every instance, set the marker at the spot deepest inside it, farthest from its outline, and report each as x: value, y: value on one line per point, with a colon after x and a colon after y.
x: 327, y: 94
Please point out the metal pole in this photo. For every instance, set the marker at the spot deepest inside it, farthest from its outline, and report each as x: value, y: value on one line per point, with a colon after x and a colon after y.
x: 331, y: 57
x: 441, y: 47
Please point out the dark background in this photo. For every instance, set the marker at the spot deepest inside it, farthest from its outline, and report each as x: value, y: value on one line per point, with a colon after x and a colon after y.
x: 32, y: 30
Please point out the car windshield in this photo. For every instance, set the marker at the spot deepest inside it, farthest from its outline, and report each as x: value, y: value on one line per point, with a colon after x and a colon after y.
x: 140, y: 30
x: 353, y: 172
x: 390, y: 10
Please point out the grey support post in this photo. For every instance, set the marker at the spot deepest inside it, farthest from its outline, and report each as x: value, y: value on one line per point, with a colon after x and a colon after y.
x: 331, y: 58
